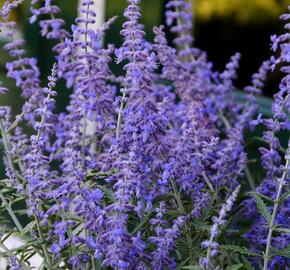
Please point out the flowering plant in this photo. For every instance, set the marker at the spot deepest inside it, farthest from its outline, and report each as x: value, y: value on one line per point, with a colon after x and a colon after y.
x: 147, y: 170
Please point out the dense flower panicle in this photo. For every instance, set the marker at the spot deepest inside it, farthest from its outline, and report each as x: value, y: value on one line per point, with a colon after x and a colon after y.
x: 46, y: 117
x: 187, y: 85
x: 35, y: 163
x: 135, y: 51
x: 171, y: 65
x: 145, y: 122
x: 209, y: 162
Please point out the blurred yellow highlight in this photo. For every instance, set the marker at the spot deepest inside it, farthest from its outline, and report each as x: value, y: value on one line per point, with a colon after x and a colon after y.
x: 244, y: 11
x: 13, y: 15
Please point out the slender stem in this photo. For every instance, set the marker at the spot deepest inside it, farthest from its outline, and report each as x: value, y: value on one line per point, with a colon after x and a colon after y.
x: 280, y: 187
x: 182, y: 211
x: 7, y: 148
x: 11, y: 213
x: 250, y: 178
x: 15, y: 123
x: 274, y: 214
x: 261, y: 140
x: 10, y: 163
x: 225, y: 121
x: 207, y: 181
x: 120, y: 115
x: 43, y: 119
x: 93, y: 263
x: 209, y: 248
x: 84, y: 136
x: 43, y: 246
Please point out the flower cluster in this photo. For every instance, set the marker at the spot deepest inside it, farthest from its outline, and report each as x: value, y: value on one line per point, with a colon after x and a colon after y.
x: 132, y: 174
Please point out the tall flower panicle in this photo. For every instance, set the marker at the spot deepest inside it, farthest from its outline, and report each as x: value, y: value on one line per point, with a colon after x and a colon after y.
x: 134, y: 51
x: 226, y: 98
x: 187, y: 84
x: 35, y: 163
x: 8, y: 6
x: 258, y: 79
x: 250, y: 108
x: 142, y: 124
x: 84, y: 63
x: 91, y: 82
x: 23, y: 70
x: 179, y: 18
x: 140, y: 131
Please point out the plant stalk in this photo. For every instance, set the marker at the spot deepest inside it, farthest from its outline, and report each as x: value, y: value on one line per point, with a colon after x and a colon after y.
x: 274, y: 214
x: 182, y: 211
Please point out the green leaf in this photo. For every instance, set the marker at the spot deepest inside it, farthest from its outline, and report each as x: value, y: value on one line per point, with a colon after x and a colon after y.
x: 142, y: 223
x: 95, y: 175
x: 263, y: 209
x: 107, y: 192
x: 241, y: 250
x: 18, y: 199
x: 247, y: 264
x: 285, y: 252
x: 263, y: 197
x: 264, y: 103
x: 285, y: 196
x: 201, y: 226
x: 235, y: 267
x: 192, y: 267
x: 282, y: 230
x: 29, y: 226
